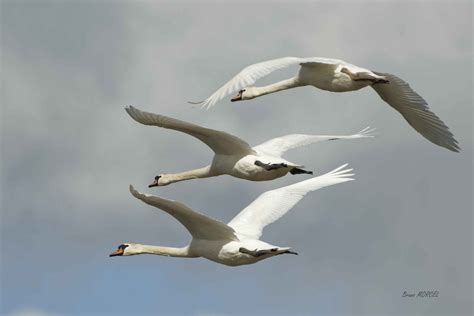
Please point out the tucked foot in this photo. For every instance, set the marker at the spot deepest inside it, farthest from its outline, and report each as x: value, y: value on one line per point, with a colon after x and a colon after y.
x: 300, y: 171
x: 270, y: 166
x: 288, y: 252
x: 360, y: 76
x: 257, y: 253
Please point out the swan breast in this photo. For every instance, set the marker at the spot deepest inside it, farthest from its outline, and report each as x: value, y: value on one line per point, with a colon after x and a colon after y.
x: 246, y: 168
x: 329, y: 78
x: 222, y: 251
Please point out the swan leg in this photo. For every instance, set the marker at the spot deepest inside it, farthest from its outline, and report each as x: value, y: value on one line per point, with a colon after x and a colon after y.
x: 257, y: 253
x: 270, y: 166
x: 360, y: 76
x: 300, y: 171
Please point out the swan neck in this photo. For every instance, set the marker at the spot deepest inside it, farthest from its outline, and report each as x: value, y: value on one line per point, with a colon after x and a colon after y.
x: 164, y: 251
x: 204, y: 172
x: 278, y: 86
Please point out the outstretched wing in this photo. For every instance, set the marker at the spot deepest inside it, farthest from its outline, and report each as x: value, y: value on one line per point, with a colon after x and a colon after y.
x: 219, y: 142
x: 399, y: 95
x: 278, y: 146
x: 252, y: 73
x: 199, y: 225
x: 272, y: 205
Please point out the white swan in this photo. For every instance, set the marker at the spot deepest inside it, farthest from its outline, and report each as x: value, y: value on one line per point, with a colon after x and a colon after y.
x: 338, y: 76
x: 234, y: 156
x: 236, y: 243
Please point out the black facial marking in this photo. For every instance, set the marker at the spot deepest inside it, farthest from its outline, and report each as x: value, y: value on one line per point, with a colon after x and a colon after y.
x: 157, y: 177
x: 122, y: 247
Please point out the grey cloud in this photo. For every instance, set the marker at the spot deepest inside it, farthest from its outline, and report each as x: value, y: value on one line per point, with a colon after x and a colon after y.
x: 69, y: 151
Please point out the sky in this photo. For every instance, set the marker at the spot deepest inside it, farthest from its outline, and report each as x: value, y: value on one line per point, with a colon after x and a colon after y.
x: 69, y: 152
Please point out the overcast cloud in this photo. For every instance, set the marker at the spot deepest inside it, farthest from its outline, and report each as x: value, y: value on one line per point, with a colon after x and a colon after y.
x: 69, y: 152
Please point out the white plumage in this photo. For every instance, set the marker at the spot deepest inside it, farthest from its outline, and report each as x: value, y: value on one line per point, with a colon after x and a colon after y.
x: 235, y: 243
x: 272, y: 205
x: 233, y: 156
x: 339, y: 76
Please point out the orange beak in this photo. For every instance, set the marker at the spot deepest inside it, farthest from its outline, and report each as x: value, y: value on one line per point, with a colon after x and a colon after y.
x: 118, y: 252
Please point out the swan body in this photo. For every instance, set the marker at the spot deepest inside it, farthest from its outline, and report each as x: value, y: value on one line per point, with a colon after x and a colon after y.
x: 238, y: 242
x: 339, y: 76
x: 332, y: 79
x: 244, y: 167
x: 233, y: 156
x: 228, y: 252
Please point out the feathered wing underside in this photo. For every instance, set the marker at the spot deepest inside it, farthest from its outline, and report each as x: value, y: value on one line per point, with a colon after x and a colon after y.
x: 250, y: 74
x: 399, y: 95
x: 220, y: 142
x: 272, y: 205
x: 278, y: 146
x: 199, y: 226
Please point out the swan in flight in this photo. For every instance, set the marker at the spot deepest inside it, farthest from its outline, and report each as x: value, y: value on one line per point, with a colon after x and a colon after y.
x: 234, y: 156
x: 338, y: 76
x: 238, y: 242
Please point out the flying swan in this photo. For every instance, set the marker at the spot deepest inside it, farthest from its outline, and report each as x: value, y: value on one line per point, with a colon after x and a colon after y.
x: 238, y: 242
x: 338, y: 76
x: 234, y: 156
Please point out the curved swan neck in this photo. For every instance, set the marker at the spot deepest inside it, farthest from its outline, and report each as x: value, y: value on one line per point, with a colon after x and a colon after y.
x: 204, y: 172
x: 277, y: 86
x: 162, y: 251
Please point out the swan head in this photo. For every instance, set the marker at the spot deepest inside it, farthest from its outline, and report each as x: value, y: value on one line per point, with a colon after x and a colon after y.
x: 245, y: 94
x: 122, y: 250
x: 128, y: 249
x: 159, y: 181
